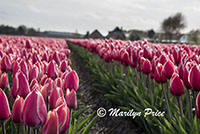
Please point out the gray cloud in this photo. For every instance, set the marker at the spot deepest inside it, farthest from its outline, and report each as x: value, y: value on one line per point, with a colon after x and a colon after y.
x: 83, y: 15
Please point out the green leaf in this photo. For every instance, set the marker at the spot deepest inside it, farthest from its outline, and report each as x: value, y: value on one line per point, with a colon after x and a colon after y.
x: 85, y: 120
x: 89, y: 126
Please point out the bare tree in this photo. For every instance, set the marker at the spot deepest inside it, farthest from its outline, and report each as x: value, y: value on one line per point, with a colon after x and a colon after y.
x: 173, y: 25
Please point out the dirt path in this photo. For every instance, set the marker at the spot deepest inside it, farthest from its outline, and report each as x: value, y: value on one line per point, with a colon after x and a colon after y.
x: 104, y: 125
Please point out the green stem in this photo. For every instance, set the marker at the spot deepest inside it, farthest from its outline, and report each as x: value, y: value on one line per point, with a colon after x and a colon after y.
x: 166, y: 101
x: 180, y: 107
x: 189, y: 104
x: 3, y: 127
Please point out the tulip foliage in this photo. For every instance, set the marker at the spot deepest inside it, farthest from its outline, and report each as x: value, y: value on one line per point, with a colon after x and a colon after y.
x: 139, y: 75
x: 38, y: 87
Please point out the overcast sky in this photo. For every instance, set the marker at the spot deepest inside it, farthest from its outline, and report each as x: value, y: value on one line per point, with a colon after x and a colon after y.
x: 104, y: 15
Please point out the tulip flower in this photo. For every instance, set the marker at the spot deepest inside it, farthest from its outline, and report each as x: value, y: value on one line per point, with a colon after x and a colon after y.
x: 17, y: 110
x: 176, y: 85
x: 60, y: 101
x: 146, y: 66
x: 159, y: 74
x: 4, y: 83
x: 169, y: 69
x: 52, y: 70
x: 6, y: 63
x: 71, y: 81
x: 194, y: 77
x: 33, y: 83
x: 64, y: 116
x: 34, y: 111
x: 63, y: 65
x: 34, y: 73
x: 71, y: 99
x: 24, y: 68
x: 51, y: 125
x: 187, y: 68
x: 4, y: 106
x: 55, y: 94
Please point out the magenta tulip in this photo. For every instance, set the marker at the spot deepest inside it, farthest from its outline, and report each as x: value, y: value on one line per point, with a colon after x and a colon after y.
x: 17, y: 110
x: 71, y: 99
x: 71, y: 81
x: 194, y: 77
x: 146, y: 66
x: 169, y: 69
x: 4, y: 83
x: 52, y: 70
x: 176, y: 85
x: 4, y: 106
x: 55, y: 94
x: 6, y: 63
x: 35, y: 111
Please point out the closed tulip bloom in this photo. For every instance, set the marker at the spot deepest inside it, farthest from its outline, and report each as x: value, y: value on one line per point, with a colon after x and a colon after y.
x: 169, y: 69
x: 147, y: 68
x: 63, y: 65
x: 34, y: 73
x: 60, y: 101
x: 194, y: 78
x: 55, y: 94
x: 197, y: 106
x: 176, y: 85
x: 187, y: 68
x: 159, y: 74
x: 51, y: 125
x: 4, y: 106
x: 59, y: 82
x: 52, y: 70
x: 71, y: 99
x: 43, y: 79
x: 34, y: 111
x: 6, y: 63
x: 22, y: 84
x: 4, y: 83
x: 33, y: 83
x: 64, y: 116
x: 44, y: 91
x: 24, y: 68
x: 71, y: 81
x: 17, y: 110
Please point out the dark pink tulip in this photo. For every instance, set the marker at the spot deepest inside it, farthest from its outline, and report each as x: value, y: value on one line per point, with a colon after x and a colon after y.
x: 60, y: 101
x: 34, y: 73
x: 176, y: 85
x: 63, y: 65
x: 71, y: 99
x: 169, y: 69
x: 44, y: 91
x: 16, y: 67
x: 55, y: 94
x: 4, y: 83
x: 59, y: 82
x: 24, y: 68
x: 52, y: 70
x: 22, y: 84
x: 63, y: 115
x: 71, y: 81
x: 159, y: 74
x: 6, y: 63
x: 146, y: 66
x: 194, y: 78
x: 43, y: 79
x: 33, y: 83
x: 56, y: 57
x: 34, y: 111
x: 17, y: 110
x: 187, y: 68
x: 28, y: 44
x: 4, y: 106
x: 51, y: 125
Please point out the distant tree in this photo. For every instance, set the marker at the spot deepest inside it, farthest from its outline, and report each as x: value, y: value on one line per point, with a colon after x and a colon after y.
x: 22, y: 30
x: 173, y: 24
x: 151, y: 33
x: 194, y: 36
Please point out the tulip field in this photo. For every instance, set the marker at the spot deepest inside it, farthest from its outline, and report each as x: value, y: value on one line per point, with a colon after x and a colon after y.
x: 38, y: 88
x: 139, y: 75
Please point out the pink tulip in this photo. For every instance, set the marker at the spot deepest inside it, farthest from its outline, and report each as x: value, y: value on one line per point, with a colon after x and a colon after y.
x: 63, y: 115
x: 24, y: 68
x: 34, y: 73
x: 4, y: 83
x: 4, y: 106
x: 17, y: 110
x: 71, y: 99
x: 187, y: 68
x: 6, y: 63
x: 52, y: 70
x: 33, y: 83
x: 146, y: 66
x: 51, y: 125
x: 55, y: 94
x: 159, y: 74
x: 71, y: 81
x: 169, y: 69
x: 176, y: 85
x: 60, y: 101
x: 194, y: 78
x: 35, y: 111
x: 63, y: 65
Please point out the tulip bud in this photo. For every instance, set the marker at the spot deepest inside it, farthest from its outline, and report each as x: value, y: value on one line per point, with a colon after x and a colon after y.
x: 186, y: 69
x: 71, y: 81
x: 52, y: 70
x: 176, y: 85
x: 194, y: 78
x: 34, y: 73
x: 63, y: 65
x: 159, y: 74
x: 169, y: 69
x: 24, y: 68
x: 51, y: 125
x: 71, y: 99
x: 4, y: 106
x: 17, y: 110
x: 63, y: 115
x: 6, y: 63
x: 55, y: 94
x: 33, y: 83
x: 60, y: 101
x: 4, y: 83
x: 44, y: 91
x: 34, y: 111
x: 146, y: 66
